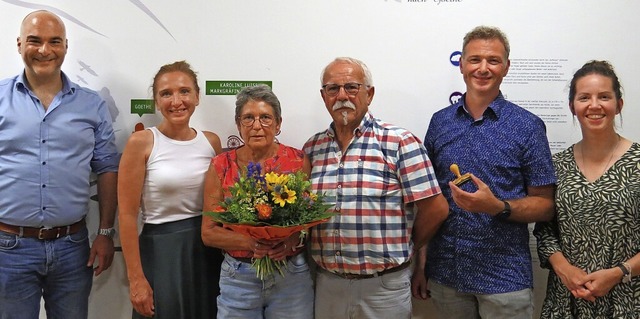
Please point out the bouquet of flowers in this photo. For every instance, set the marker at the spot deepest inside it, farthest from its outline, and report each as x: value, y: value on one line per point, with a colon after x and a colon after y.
x: 272, y: 206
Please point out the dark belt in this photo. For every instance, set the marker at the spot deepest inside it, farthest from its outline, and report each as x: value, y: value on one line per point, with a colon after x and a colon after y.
x: 43, y: 233
x: 246, y: 260
x: 368, y: 276
x: 249, y: 260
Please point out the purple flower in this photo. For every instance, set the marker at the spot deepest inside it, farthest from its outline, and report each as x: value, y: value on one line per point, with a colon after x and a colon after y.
x: 253, y: 173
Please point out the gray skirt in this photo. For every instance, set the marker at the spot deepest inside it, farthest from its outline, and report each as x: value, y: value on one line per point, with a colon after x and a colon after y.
x: 181, y: 270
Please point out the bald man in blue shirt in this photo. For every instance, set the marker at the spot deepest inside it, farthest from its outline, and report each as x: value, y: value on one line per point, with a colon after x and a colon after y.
x: 53, y: 134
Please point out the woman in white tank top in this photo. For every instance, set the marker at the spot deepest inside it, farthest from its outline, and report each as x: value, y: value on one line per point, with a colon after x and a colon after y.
x: 171, y: 273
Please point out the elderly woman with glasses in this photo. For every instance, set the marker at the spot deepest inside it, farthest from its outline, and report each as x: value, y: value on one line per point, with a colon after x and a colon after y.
x: 242, y: 293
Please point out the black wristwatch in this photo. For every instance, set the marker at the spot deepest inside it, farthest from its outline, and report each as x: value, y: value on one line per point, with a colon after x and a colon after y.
x: 505, y: 212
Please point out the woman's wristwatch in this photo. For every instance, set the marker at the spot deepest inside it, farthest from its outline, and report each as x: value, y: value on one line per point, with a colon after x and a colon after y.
x: 626, y: 272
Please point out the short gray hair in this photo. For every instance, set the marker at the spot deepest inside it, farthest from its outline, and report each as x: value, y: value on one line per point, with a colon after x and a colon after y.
x: 260, y: 92
x: 368, y: 80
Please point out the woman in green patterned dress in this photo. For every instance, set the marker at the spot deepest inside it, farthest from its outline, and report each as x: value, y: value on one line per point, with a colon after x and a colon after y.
x: 592, y: 246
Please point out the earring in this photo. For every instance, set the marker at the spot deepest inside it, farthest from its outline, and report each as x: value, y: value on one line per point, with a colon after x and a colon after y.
x: 279, y: 131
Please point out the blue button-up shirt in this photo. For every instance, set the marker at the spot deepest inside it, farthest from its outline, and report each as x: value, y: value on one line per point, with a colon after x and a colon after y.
x: 508, y: 150
x: 46, y: 157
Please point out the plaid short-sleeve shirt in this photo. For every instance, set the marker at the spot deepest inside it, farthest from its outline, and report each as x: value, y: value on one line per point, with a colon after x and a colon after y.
x: 384, y: 169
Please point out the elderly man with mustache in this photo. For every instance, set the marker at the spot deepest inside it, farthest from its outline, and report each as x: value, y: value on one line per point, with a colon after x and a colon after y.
x: 384, y: 188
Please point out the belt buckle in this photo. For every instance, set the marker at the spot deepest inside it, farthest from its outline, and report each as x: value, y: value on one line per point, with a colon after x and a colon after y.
x: 41, y: 232
x: 43, y: 235
x: 351, y: 276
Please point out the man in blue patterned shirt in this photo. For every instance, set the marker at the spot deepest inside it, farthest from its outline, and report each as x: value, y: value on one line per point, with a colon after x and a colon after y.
x: 479, y: 263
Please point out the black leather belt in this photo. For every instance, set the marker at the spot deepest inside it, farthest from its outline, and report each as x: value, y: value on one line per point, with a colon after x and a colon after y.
x: 367, y: 276
x: 250, y: 260
x: 246, y: 260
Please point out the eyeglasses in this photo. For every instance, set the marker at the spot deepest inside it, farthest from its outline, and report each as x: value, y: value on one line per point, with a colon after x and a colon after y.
x: 350, y: 88
x: 248, y: 120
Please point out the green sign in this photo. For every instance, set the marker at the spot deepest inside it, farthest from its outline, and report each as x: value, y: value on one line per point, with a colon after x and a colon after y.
x: 142, y: 106
x: 230, y: 87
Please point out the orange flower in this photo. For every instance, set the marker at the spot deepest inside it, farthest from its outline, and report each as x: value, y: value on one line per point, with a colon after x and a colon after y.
x: 219, y: 209
x: 264, y: 211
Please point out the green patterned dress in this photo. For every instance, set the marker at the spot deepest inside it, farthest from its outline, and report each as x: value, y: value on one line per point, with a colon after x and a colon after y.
x: 597, y: 226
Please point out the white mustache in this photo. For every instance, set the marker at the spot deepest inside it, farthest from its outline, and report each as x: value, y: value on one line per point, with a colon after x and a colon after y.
x: 342, y: 104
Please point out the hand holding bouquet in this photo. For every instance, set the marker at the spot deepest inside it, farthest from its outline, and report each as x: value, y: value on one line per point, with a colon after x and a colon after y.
x: 271, y: 207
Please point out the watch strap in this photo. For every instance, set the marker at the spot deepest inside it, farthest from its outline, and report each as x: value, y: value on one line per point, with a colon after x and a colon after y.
x: 626, y: 272
x: 109, y: 232
x: 506, y: 211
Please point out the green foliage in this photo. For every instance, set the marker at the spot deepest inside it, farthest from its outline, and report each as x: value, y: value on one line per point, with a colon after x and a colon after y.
x: 252, y: 190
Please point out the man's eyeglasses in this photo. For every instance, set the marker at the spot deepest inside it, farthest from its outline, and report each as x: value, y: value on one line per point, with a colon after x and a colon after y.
x: 350, y: 88
x: 248, y: 120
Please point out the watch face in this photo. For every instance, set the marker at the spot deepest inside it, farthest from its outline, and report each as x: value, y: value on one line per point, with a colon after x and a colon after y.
x: 504, y: 214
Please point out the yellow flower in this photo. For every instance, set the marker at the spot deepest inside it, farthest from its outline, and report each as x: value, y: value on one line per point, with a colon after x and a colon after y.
x: 274, y: 179
x: 285, y: 195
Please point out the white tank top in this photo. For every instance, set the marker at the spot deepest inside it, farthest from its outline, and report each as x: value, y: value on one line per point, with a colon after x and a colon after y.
x: 174, y: 182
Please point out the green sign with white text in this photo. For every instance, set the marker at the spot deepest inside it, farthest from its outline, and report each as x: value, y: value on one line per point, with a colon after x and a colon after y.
x: 142, y: 106
x: 230, y: 87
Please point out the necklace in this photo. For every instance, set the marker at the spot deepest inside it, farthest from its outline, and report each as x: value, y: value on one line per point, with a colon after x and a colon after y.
x: 613, y: 151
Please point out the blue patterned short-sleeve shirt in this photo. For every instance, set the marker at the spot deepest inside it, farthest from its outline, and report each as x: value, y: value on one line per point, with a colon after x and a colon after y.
x: 507, y: 148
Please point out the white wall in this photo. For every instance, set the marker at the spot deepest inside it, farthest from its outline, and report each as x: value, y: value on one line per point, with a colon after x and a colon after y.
x: 407, y: 45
